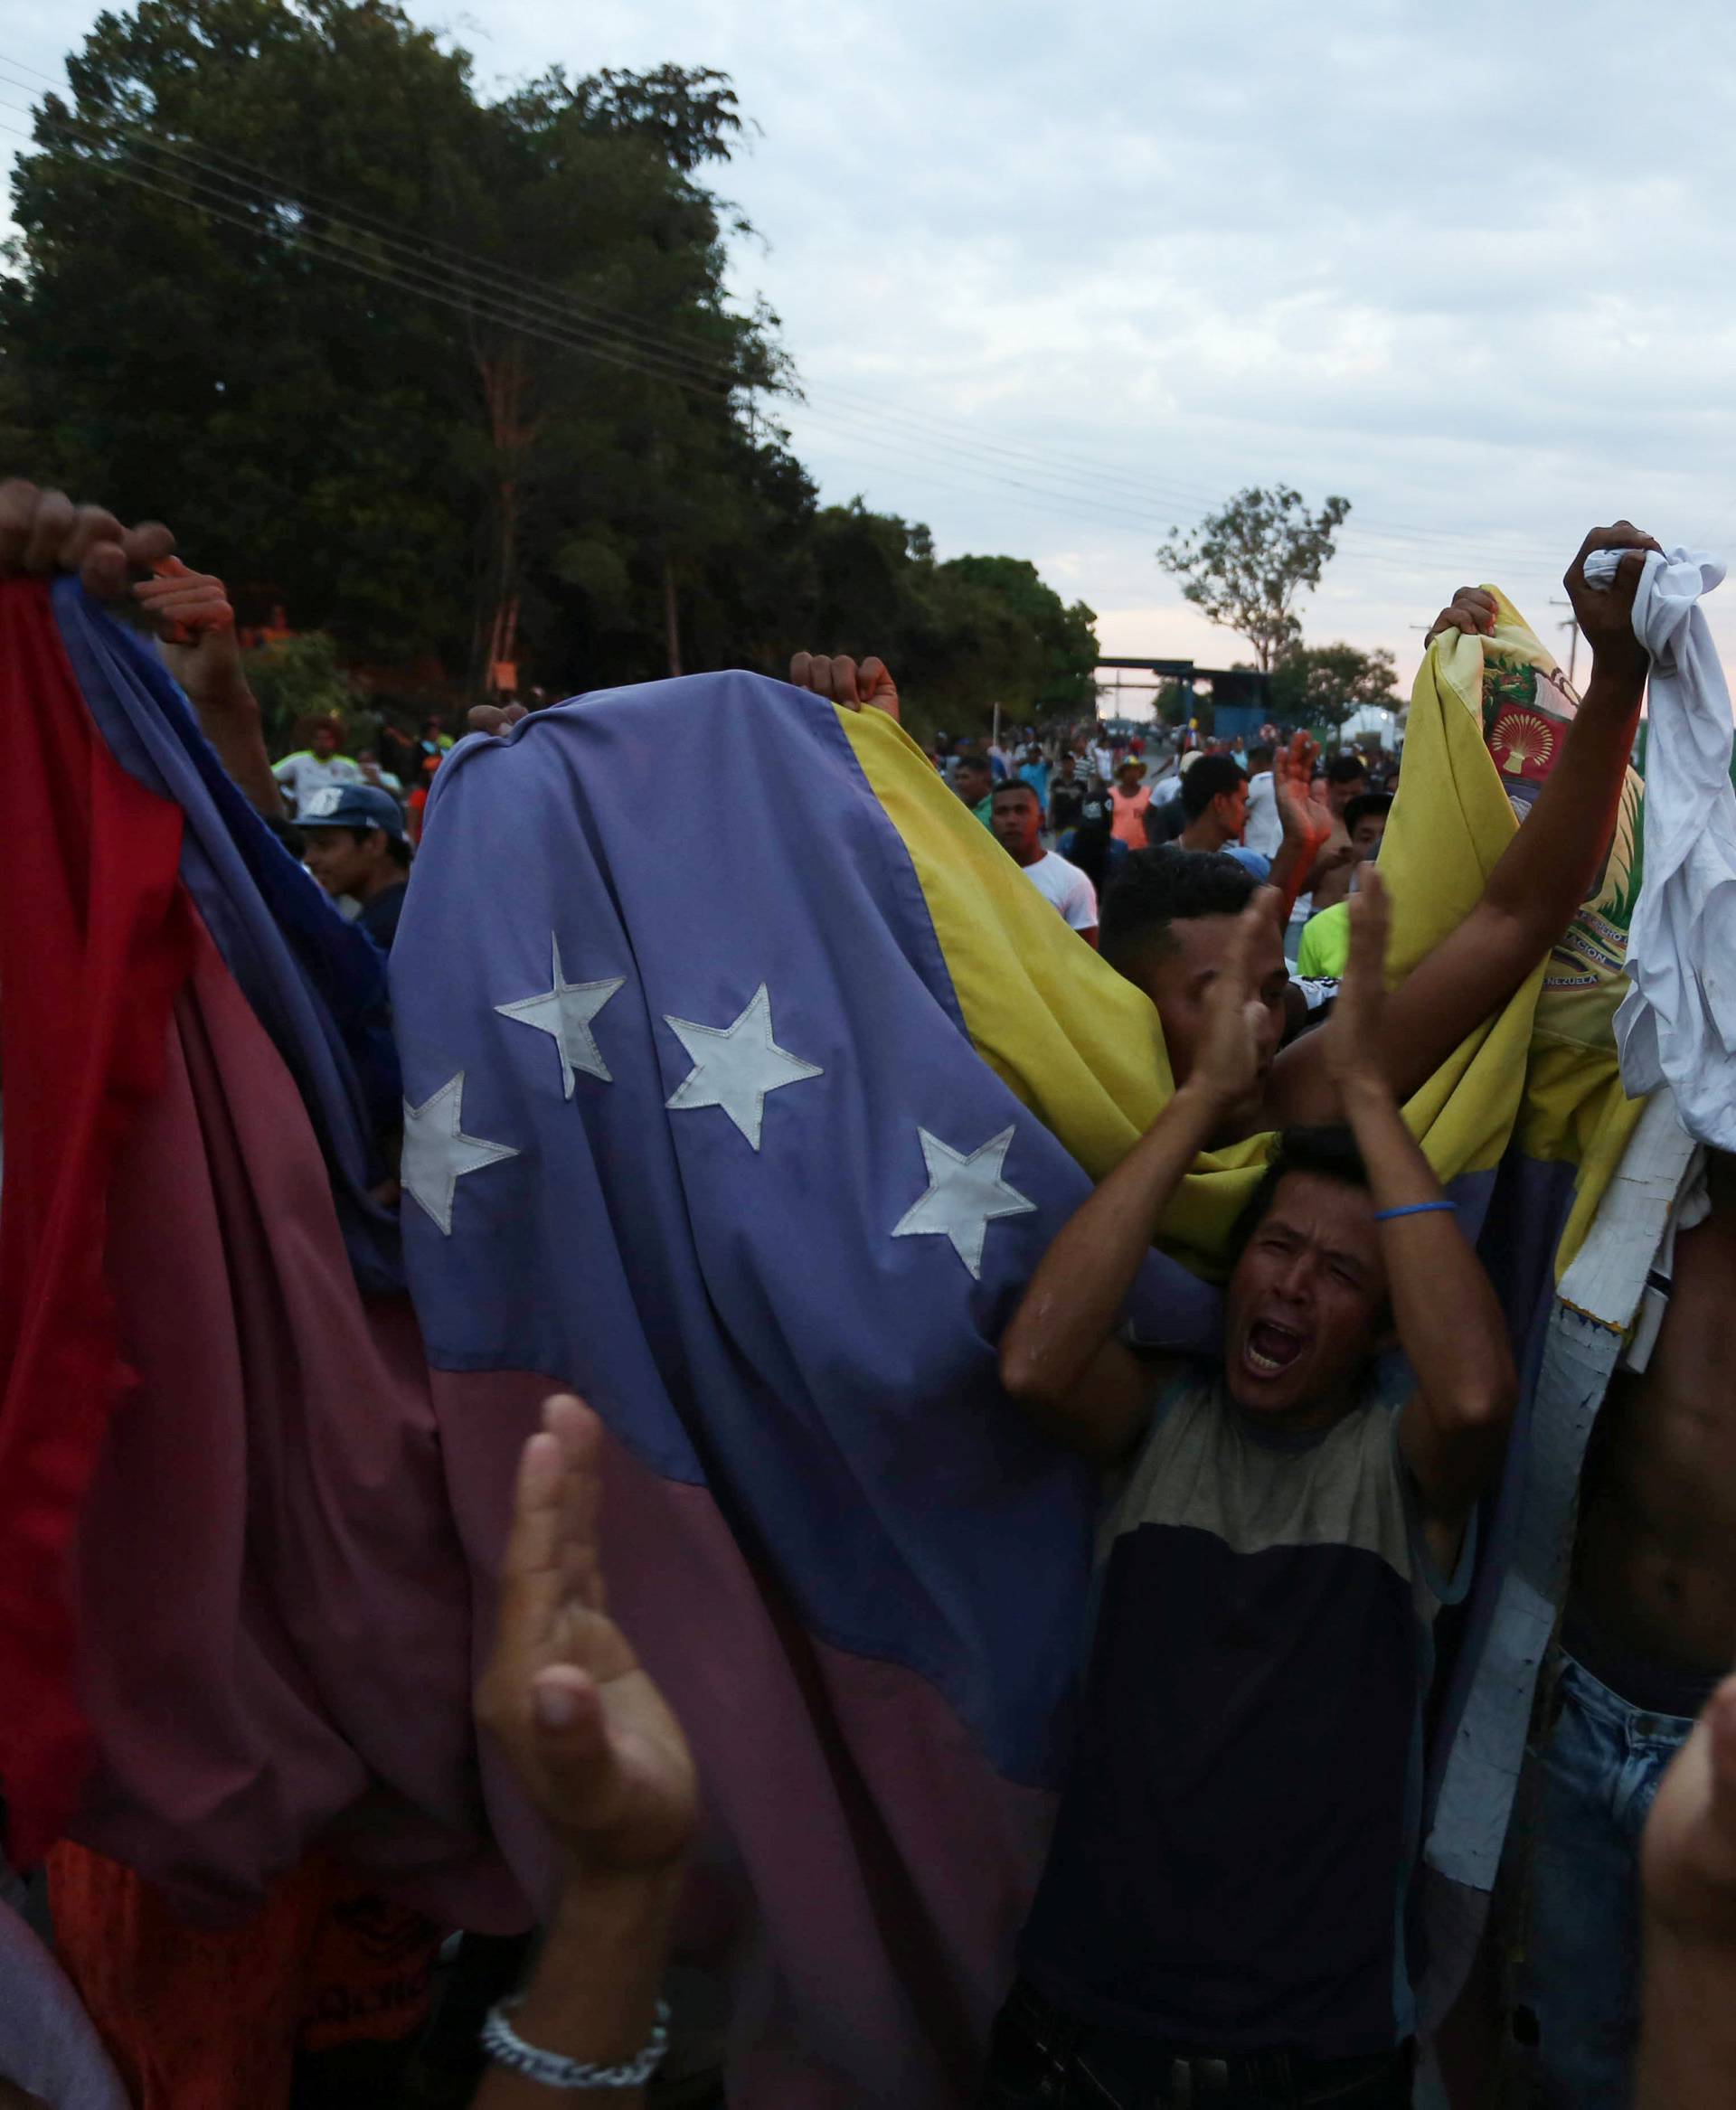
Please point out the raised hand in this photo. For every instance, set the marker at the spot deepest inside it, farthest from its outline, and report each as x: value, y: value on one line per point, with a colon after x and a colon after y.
x: 586, y: 1729
x: 1606, y: 616
x: 1471, y: 612
x: 192, y: 615
x: 44, y: 531
x: 1353, y: 1038
x: 840, y: 680
x: 1232, y: 1052
x: 1301, y: 802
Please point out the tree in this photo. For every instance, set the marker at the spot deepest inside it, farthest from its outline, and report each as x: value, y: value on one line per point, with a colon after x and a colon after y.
x: 455, y: 382
x: 424, y: 455
x: 960, y: 635
x: 298, y: 418
x: 1322, y: 684
x: 297, y: 679
x: 1245, y: 565
x: 1058, y: 679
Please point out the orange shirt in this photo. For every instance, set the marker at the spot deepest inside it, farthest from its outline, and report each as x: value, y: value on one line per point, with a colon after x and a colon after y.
x: 1129, y: 823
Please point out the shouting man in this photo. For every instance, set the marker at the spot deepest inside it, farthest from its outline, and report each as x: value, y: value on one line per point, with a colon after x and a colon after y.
x: 1222, y: 1913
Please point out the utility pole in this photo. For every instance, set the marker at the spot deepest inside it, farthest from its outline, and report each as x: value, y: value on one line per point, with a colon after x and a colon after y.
x: 1572, y: 624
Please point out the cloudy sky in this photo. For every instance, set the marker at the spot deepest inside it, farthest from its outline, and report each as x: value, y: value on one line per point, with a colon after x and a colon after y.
x: 1058, y: 278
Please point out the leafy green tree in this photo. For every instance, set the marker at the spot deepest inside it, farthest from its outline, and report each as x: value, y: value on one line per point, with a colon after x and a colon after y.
x: 1058, y: 677
x: 455, y: 382
x: 299, y: 419
x: 1245, y: 564
x: 471, y: 474
x: 299, y: 678
x: 960, y: 635
x: 1322, y: 684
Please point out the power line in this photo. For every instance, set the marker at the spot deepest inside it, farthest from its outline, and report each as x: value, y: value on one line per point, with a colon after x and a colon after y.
x: 475, y: 305
x: 483, y: 302
x: 499, y: 301
x: 667, y: 352
x: 334, y: 240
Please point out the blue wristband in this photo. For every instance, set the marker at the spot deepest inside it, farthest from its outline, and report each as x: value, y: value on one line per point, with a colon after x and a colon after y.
x: 1416, y: 1208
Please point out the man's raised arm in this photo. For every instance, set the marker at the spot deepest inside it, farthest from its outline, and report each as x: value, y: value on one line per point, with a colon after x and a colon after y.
x: 1448, y: 1319
x: 1542, y: 875
x: 1061, y: 1358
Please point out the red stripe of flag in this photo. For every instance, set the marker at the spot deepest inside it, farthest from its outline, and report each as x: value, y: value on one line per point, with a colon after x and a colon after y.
x: 95, y: 940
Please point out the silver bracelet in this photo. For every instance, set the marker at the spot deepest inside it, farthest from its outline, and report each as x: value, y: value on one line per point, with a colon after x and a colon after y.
x: 506, y: 2048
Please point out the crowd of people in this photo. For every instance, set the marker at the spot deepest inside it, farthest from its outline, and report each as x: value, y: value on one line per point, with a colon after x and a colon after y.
x: 1226, y: 1913
x: 1068, y: 795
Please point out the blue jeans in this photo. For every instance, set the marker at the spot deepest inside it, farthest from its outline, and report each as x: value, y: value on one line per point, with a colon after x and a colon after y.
x: 1576, y: 1989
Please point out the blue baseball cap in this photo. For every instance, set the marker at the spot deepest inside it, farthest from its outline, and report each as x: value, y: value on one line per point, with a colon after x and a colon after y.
x: 352, y: 806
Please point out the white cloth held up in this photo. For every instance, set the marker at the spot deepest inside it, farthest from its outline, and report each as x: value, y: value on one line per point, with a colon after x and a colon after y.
x: 1677, y: 1023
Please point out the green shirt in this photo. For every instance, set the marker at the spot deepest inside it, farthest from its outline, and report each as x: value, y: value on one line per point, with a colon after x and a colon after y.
x: 1324, y: 953
x: 983, y: 808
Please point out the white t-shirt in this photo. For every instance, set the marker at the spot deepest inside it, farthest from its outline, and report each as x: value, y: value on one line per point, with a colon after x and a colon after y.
x: 1067, y: 886
x: 304, y: 772
x: 1265, y: 829
x: 1103, y: 761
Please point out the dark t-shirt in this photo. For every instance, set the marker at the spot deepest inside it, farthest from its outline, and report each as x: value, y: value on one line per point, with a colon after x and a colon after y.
x: 379, y: 917
x: 1065, y: 800
x: 1232, y: 1851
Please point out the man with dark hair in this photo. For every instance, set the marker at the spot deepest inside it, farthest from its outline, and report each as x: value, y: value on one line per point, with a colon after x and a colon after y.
x: 1017, y: 822
x: 1221, y: 1914
x: 1164, y: 924
x: 1067, y: 794
x: 973, y: 779
x: 1365, y: 818
x: 318, y: 765
x: 1214, y: 798
x: 1346, y: 775
x: 356, y: 845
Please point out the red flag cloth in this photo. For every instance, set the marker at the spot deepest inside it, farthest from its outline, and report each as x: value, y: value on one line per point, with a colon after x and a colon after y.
x: 95, y: 940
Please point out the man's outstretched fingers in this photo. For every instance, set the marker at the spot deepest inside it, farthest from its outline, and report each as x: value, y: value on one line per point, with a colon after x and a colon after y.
x: 531, y: 1563
x: 579, y: 1433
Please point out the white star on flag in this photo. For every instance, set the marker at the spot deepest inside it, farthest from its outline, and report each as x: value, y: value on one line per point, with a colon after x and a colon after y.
x: 735, y: 1066
x: 437, y: 1153
x: 564, y: 1011
x: 965, y: 1195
